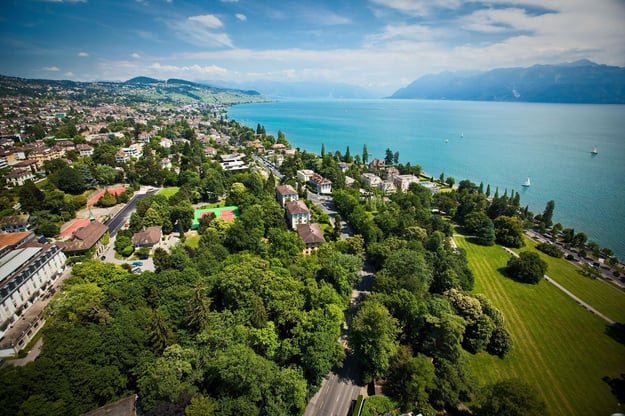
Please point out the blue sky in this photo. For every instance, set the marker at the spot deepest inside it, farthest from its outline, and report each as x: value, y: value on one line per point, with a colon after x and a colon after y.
x: 377, y: 44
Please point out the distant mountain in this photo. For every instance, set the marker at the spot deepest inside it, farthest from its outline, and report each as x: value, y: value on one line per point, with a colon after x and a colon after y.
x: 142, y: 80
x: 576, y: 82
x: 285, y: 89
x: 136, y: 89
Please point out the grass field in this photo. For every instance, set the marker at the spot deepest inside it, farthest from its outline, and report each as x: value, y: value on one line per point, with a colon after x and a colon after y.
x: 167, y: 192
x: 559, y: 348
x: 605, y: 297
x: 193, y: 241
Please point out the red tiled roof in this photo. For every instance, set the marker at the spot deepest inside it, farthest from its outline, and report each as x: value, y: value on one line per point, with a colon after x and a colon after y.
x: 297, y: 207
x: 310, y: 233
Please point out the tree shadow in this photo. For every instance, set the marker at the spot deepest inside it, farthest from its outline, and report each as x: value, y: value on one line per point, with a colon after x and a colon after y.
x: 351, y: 370
x: 617, y: 386
x: 616, y: 331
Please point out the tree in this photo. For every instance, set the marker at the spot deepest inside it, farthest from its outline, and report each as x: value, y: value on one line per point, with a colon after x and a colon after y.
x: 478, y: 224
x: 528, y: 267
x: 411, y: 379
x: 509, y: 398
x: 451, y: 181
x: 323, y: 150
x: 31, y: 197
x: 365, y: 154
x: 107, y: 200
x: 509, y: 231
x: 388, y: 158
x: 548, y: 213
x: 373, y: 336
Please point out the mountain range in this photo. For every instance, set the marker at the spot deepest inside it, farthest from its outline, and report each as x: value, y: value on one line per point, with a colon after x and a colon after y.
x: 577, y: 82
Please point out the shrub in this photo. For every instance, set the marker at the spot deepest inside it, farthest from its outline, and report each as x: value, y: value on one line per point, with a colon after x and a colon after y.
x: 550, y: 250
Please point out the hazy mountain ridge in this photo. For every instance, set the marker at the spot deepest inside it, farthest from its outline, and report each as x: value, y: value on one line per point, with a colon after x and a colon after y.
x: 303, y: 89
x: 138, y: 88
x: 576, y: 82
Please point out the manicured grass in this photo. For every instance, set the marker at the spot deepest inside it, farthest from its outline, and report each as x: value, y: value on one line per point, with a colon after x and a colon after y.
x: 559, y: 348
x: 167, y: 192
x: 603, y: 296
x: 193, y: 241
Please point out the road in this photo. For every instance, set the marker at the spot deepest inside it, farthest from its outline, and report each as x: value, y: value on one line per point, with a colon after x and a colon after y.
x: 568, y: 293
x: 269, y: 165
x: 606, y: 273
x: 122, y: 216
x: 341, y: 387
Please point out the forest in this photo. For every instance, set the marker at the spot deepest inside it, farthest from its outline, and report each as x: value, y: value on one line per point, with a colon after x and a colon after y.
x: 245, y: 324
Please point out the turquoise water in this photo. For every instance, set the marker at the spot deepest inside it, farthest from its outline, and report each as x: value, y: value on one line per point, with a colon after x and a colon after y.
x: 500, y: 144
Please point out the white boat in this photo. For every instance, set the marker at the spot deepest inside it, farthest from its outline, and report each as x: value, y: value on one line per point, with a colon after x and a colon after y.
x: 527, y: 182
x: 594, y: 151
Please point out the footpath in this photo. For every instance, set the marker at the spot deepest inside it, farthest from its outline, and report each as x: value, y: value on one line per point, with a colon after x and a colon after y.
x: 568, y: 293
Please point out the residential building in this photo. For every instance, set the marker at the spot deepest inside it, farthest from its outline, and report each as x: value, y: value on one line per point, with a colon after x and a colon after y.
x: 403, y: 181
x: 86, y: 239
x: 18, y: 177
x: 376, y: 165
x: 321, y: 184
x: 285, y: 193
x: 121, y: 157
x: 387, y: 187
x: 84, y: 149
x: 27, y: 271
x: 148, y: 237
x: 15, y: 223
x: 165, y: 163
x: 297, y: 213
x: 233, y: 161
x: 304, y: 175
x: 311, y: 235
x: 371, y: 180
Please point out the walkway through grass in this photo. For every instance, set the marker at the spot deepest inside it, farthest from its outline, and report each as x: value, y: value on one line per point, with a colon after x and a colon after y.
x: 559, y: 347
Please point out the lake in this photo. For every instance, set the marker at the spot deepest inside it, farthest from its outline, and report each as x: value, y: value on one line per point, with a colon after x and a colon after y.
x: 501, y: 144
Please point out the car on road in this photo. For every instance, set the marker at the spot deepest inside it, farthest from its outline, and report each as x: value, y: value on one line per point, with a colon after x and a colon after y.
x: 137, y: 263
x: 136, y: 269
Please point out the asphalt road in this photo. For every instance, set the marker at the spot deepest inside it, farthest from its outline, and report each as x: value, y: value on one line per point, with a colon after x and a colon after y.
x: 122, y: 216
x: 341, y: 387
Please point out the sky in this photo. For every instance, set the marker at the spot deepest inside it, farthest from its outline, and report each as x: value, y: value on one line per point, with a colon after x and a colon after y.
x: 380, y: 45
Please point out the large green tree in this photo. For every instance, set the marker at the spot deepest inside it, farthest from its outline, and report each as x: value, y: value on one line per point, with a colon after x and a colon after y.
x: 528, y: 267
x: 373, y: 336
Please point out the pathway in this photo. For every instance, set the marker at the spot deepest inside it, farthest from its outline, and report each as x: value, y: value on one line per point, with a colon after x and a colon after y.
x: 568, y: 293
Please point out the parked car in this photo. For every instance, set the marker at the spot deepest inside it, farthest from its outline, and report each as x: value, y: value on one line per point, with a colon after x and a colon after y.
x: 137, y: 263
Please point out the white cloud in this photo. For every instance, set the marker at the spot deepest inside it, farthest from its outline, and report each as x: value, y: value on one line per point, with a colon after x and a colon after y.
x: 241, y: 17
x: 135, y: 55
x: 68, y: 74
x: 51, y: 68
x: 332, y: 19
x: 195, y: 69
x: 209, y: 20
x: 83, y: 54
x: 198, y: 30
x: 417, y: 7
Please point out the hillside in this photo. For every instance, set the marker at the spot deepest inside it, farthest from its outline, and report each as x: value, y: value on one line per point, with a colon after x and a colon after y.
x: 578, y: 82
x: 136, y: 89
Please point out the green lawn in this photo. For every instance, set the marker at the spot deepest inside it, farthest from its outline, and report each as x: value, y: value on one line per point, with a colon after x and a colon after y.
x: 559, y: 347
x: 167, y: 192
x: 193, y: 241
x: 603, y: 296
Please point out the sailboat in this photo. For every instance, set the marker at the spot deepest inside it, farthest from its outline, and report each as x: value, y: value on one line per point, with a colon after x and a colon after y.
x: 527, y: 182
x: 594, y: 151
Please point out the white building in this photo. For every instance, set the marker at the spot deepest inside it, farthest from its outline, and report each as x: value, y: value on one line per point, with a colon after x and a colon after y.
x: 304, y: 175
x: 371, y: 180
x: 27, y: 271
x: 297, y: 213
x: 403, y: 181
